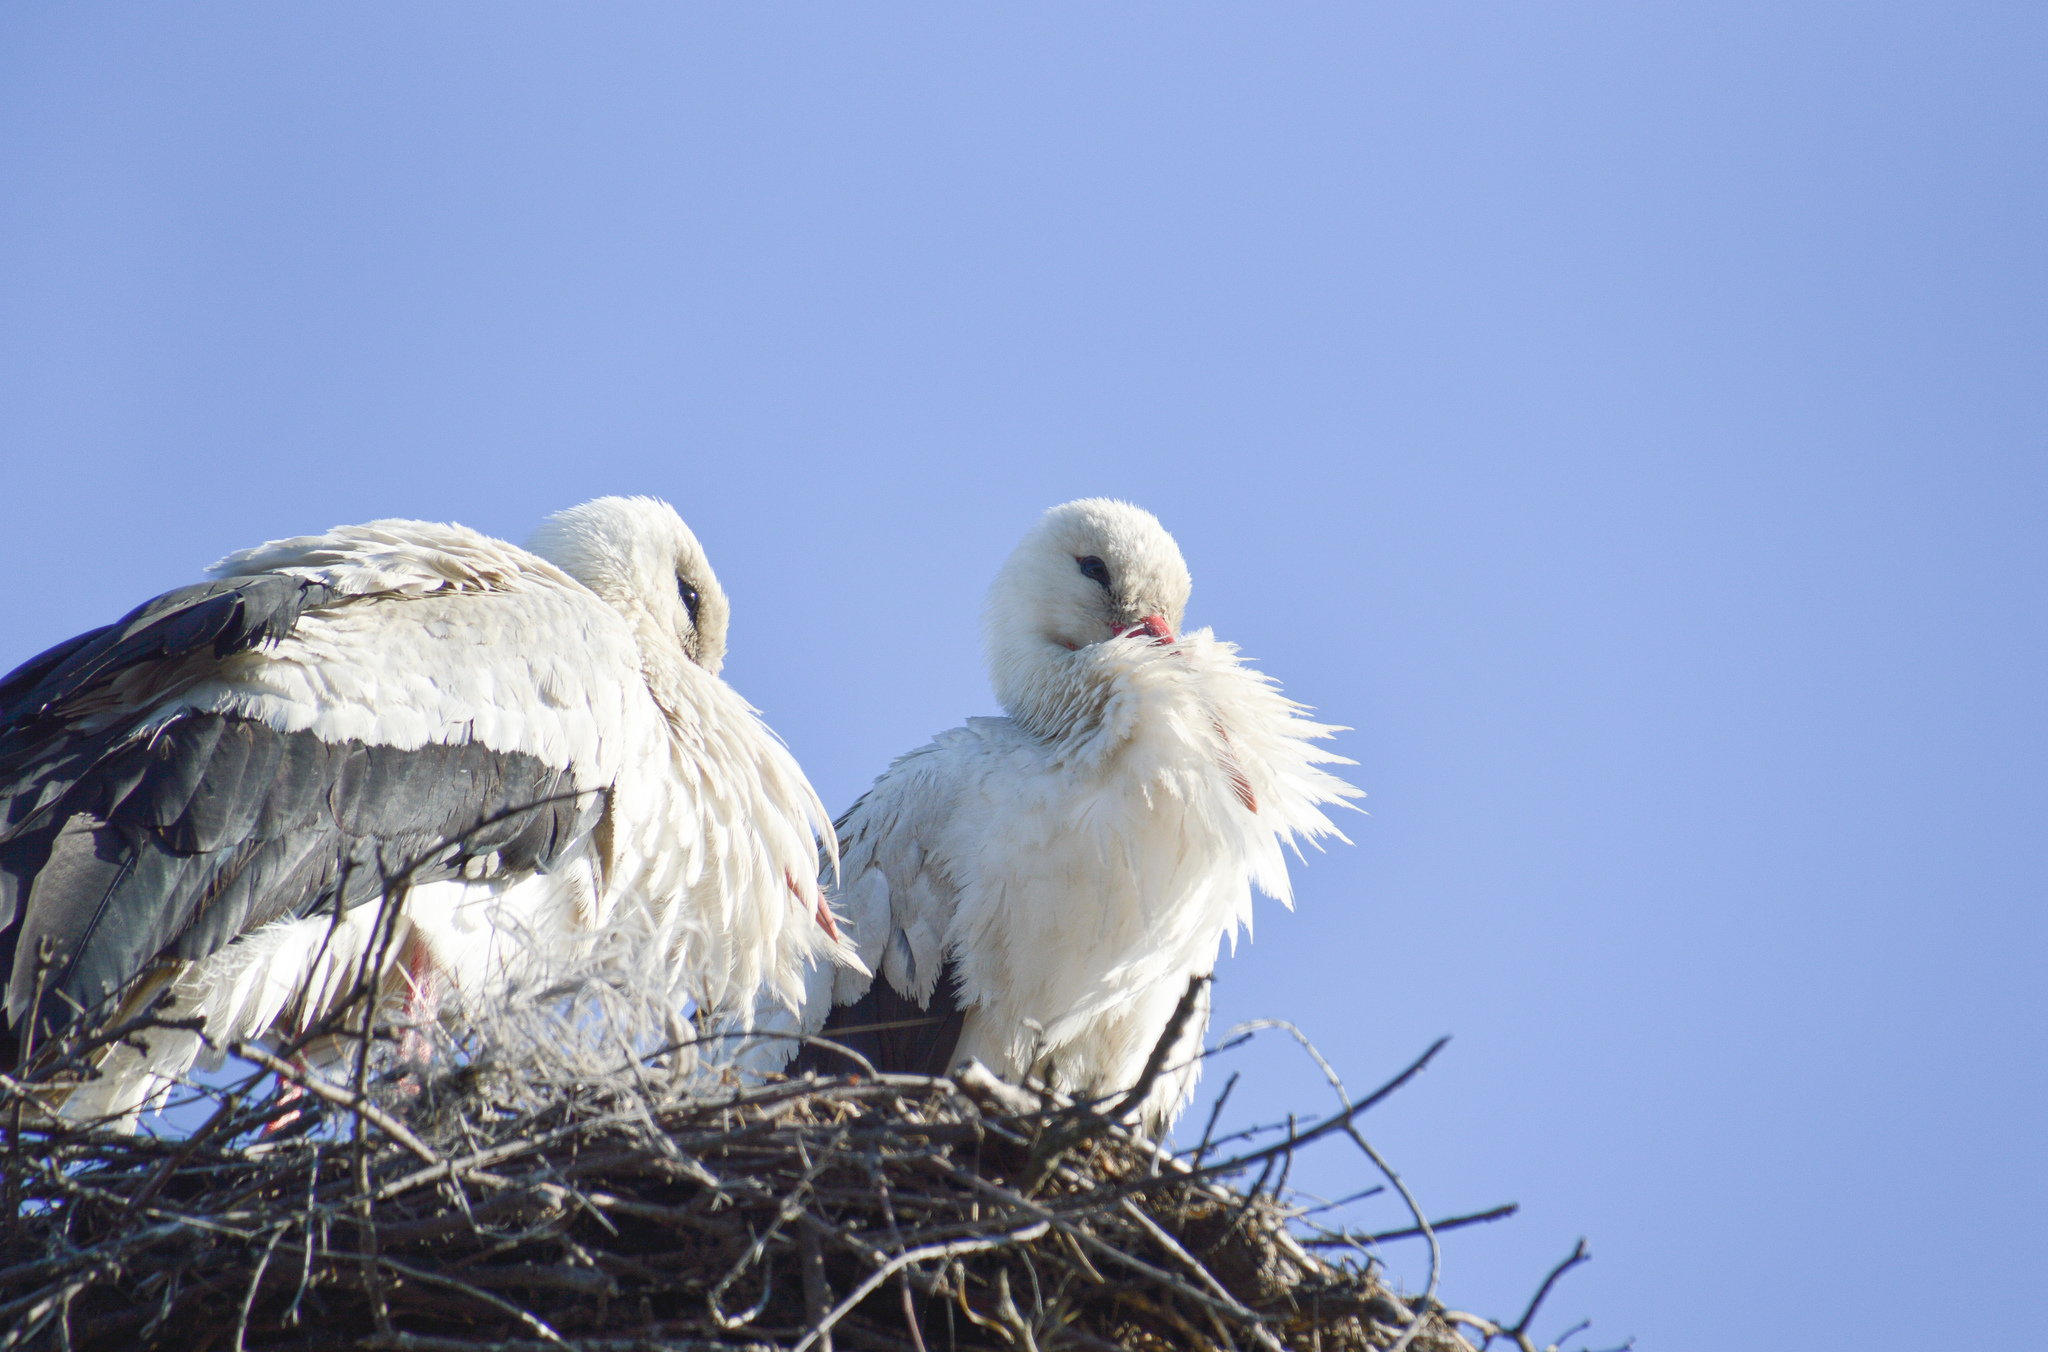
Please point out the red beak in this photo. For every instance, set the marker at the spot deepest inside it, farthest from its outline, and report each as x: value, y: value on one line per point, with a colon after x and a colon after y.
x: 1154, y: 627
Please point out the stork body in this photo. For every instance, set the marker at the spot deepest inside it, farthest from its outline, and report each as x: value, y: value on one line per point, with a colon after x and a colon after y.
x: 1035, y: 891
x: 514, y: 745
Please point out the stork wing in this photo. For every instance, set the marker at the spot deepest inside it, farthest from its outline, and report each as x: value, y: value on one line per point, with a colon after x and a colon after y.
x: 43, y: 750
x: 375, y: 710
x: 899, y: 900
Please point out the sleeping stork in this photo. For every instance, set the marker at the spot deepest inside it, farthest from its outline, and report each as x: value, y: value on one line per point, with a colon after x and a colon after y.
x: 1036, y: 891
x: 514, y: 745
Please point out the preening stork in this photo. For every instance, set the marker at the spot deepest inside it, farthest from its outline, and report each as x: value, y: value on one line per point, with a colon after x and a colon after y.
x: 1036, y: 891
x: 515, y: 745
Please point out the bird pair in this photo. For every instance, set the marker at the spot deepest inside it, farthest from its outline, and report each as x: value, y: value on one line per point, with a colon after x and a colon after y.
x: 518, y: 749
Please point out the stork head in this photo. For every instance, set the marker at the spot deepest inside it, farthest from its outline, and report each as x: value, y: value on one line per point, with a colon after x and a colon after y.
x: 1089, y: 571
x: 637, y: 554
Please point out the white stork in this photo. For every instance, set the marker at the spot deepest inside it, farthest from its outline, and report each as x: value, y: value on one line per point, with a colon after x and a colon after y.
x: 1036, y: 891
x: 209, y: 790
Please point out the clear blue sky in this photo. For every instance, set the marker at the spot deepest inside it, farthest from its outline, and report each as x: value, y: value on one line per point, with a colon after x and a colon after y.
x: 1629, y: 418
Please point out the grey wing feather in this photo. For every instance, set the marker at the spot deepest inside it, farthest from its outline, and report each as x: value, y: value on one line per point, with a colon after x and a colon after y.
x: 43, y: 751
x: 121, y: 850
x: 223, y: 616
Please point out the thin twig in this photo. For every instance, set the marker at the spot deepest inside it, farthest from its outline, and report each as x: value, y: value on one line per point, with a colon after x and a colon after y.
x: 1436, y: 1252
x: 353, y: 1100
x: 1163, y: 1047
x: 904, y: 1260
x: 1579, y: 1254
x: 1498, y: 1213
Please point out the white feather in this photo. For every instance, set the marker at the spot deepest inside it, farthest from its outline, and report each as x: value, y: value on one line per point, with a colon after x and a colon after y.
x: 580, y: 652
x: 1082, y: 858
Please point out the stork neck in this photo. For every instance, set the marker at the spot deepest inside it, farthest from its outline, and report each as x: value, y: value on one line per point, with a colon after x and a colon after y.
x: 1052, y: 693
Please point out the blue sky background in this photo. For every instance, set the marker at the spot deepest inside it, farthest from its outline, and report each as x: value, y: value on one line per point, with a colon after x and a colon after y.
x: 1629, y: 418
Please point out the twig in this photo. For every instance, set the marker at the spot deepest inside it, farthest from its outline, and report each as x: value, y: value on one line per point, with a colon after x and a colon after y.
x: 1329, y: 1124
x: 1215, y: 1111
x: 1436, y: 1253
x: 1194, y: 1265
x: 1436, y: 1227
x: 1579, y: 1254
x: 1161, y: 1049
x: 817, y: 1295
x: 354, y: 1101
x: 903, y: 1260
x: 255, y: 1281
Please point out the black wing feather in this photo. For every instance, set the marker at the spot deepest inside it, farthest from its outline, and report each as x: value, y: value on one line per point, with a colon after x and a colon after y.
x: 120, y: 850
x: 31, y: 673
x: 231, y: 824
x: 225, y: 616
x: 895, y: 1033
x: 43, y: 751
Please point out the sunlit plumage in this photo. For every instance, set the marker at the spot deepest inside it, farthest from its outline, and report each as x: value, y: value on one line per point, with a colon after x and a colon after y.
x: 522, y: 745
x: 1035, y: 891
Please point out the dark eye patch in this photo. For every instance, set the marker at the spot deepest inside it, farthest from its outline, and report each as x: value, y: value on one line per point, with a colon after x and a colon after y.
x: 1095, y: 570
x: 689, y: 595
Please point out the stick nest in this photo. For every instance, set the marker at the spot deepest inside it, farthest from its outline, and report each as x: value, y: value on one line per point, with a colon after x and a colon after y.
x: 875, y: 1212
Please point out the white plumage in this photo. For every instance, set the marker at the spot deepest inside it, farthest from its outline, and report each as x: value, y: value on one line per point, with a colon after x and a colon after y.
x: 1071, y: 866
x: 422, y: 679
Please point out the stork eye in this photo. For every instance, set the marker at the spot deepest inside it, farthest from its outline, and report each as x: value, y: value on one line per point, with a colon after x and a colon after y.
x: 1095, y: 570
x: 689, y: 595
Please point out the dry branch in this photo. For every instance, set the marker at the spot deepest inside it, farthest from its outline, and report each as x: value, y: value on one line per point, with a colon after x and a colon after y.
x: 489, y: 1208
